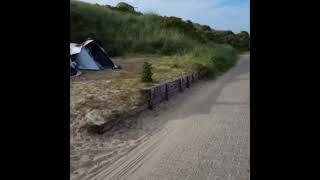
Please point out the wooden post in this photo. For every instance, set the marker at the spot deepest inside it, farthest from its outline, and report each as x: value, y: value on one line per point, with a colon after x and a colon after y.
x: 150, y: 94
x: 180, y: 84
x: 188, y: 82
x: 166, y: 92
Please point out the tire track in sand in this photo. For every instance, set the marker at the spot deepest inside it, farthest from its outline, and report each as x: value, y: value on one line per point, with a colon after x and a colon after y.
x: 132, y: 161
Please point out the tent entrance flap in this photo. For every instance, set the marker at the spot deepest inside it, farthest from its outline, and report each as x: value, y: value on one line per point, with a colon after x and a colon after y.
x: 85, y: 61
x: 99, y: 56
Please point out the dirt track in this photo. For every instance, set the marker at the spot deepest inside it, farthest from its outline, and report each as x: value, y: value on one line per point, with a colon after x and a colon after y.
x: 202, y: 134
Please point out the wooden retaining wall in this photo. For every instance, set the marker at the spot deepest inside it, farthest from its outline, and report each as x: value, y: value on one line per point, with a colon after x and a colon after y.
x: 153, y: 96
x: 164, y: 91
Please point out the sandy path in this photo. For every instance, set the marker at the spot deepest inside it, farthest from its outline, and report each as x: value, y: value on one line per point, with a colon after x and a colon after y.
x: 203, y: 134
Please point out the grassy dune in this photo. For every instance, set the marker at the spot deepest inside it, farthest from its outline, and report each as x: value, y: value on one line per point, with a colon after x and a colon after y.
x: 191, y: 46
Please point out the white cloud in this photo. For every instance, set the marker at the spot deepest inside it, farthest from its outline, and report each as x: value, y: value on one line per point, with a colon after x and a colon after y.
x: 219, y: 14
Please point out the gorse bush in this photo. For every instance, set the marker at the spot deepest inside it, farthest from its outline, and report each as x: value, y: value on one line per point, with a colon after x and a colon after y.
x: 146, y: 72
x: 122, y: 6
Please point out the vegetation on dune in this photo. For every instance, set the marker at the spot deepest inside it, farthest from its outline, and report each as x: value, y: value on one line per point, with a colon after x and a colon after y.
x: 210, y: 60
x: 123, y: 30
x: 125, y: 7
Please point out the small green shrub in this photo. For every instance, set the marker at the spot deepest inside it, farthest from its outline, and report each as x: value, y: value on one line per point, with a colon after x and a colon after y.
x: 175, y: 65
x: 206, y: 71
x: 147, y: 72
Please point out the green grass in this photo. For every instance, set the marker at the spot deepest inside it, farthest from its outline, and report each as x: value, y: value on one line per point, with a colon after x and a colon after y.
x: 124, y: 33
x: 211, y: 60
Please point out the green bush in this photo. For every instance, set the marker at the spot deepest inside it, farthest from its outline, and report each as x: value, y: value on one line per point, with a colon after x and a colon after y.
x: 244, y: 41
x: 122, y: 6
x: 210, y: 59
x: 206, y: 71
x: 224, y: 57
x: 147, y: 72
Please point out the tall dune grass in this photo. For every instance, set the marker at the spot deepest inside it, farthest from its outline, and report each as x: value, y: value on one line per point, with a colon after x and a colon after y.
x: 124, y: 32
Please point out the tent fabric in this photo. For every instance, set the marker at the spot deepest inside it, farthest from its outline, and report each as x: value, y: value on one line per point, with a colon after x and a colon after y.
x: 99, y: 56
x: 76, y: 48
x: 85, y: 61
x: 88, y: 56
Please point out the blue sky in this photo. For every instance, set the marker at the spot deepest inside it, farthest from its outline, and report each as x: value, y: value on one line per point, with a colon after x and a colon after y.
x: 218, y: 14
